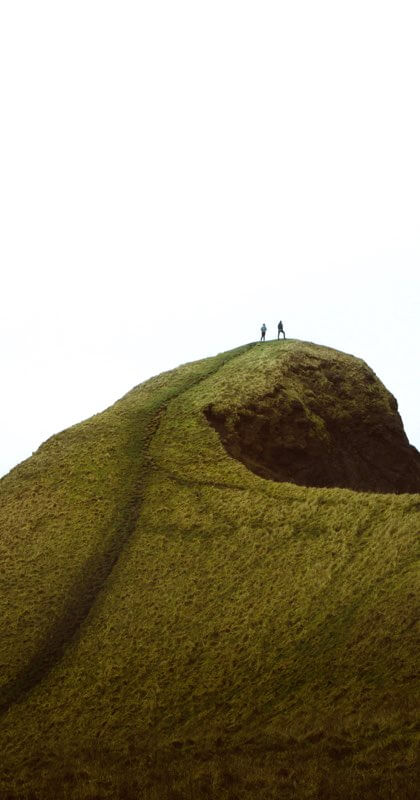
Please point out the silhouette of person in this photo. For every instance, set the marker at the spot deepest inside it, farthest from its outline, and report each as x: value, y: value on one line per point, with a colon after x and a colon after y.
x: 280, y: 330
x: 263, y: 331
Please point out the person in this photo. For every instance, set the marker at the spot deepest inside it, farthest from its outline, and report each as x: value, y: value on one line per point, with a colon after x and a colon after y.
x: 263, y: 330
x: 280, y: 330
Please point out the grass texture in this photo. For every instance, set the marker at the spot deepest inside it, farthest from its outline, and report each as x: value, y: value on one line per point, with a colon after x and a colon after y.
x: 174, y: 626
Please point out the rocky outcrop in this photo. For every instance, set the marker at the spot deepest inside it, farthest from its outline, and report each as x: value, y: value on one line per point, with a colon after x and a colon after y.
x: 327, y: 422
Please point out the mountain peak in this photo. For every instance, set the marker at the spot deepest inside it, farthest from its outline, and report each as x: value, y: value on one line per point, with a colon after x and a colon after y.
x: 196, y: 613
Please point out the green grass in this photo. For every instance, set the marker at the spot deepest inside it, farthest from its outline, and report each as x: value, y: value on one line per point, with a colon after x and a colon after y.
x: 173, y: 626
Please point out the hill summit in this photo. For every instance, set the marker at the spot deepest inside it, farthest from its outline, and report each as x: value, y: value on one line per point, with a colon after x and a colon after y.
x: 208, y: 590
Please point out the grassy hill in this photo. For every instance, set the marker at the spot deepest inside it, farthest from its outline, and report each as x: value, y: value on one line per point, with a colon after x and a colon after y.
x: 190, y: 608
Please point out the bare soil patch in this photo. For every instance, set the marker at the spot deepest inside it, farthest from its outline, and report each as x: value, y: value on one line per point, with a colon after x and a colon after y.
x: 321, y: 427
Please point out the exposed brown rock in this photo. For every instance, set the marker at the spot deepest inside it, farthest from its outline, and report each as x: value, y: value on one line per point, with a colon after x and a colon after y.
x: 327, y: 422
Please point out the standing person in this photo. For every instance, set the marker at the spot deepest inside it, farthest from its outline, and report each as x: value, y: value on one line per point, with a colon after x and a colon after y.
x: 263, y: 331
x: 280, y: 330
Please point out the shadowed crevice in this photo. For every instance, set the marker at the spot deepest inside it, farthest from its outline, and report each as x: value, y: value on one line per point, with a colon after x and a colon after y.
x: 323, y: 434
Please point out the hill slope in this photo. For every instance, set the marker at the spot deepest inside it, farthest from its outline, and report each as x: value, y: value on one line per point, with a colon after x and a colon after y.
x: 178, y: 621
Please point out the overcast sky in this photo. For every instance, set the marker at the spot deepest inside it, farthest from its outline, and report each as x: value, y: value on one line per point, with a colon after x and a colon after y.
x: 173, y: 174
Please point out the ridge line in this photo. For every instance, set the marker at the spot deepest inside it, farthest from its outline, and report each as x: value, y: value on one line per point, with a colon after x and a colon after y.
x: 88, y: 585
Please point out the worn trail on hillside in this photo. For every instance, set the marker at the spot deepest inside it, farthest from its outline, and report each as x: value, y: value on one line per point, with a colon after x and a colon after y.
x: 96, y: 570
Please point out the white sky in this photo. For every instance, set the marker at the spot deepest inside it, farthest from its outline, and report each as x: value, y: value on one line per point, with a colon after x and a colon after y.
x: 173, y: 174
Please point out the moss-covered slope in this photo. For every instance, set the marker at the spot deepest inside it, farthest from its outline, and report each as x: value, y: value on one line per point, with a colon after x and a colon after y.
x: 175, y: 625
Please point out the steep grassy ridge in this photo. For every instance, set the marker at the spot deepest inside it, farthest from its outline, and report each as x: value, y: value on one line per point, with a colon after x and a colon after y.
x: 242, y: 638
x: 65, y: 515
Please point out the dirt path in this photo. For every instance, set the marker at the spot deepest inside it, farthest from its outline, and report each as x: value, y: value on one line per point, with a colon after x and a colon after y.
x: 97, y: 568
